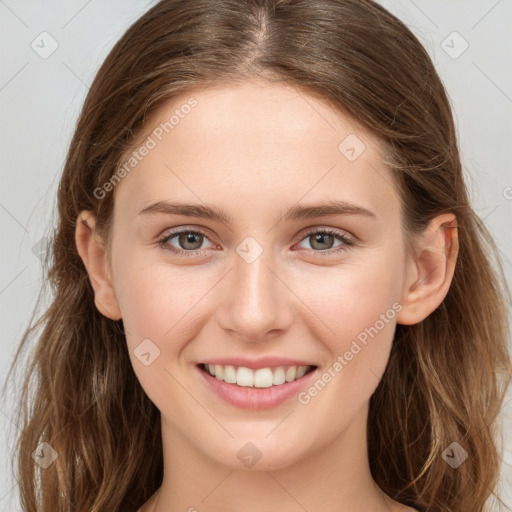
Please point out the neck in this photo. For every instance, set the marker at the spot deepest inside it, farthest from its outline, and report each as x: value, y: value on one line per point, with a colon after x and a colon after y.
x: 335, y: 476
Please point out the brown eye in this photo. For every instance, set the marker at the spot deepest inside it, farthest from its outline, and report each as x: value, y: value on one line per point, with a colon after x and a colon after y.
x: 188, y: 242
x: 323, y: 240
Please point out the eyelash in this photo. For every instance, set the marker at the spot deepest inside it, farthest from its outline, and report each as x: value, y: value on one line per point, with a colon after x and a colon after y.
x: 347, y: 242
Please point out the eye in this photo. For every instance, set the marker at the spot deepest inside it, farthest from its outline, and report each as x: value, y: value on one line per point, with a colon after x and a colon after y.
x: 188, y: 240
x: 322, y: 239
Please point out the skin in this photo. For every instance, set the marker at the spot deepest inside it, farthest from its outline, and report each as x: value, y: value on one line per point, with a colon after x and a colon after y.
x: 256, y: 150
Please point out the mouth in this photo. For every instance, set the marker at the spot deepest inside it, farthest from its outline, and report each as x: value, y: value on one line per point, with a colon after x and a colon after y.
x: 259, y: 378
x: 260, y: 388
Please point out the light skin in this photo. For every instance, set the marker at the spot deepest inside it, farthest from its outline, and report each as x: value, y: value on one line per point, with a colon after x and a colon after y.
x: 255, y: 150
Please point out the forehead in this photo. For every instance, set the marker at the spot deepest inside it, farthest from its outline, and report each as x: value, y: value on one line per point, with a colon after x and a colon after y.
x: 264, y: 141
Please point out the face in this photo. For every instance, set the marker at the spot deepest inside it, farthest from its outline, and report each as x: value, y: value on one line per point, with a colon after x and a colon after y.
x: 279, y: 281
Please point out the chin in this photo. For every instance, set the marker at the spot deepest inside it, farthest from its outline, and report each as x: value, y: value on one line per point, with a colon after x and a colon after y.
x: 258, y: 454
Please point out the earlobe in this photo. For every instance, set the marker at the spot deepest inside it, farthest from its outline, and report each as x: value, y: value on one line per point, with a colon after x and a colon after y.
x: 92, y: 251
x: 430, y: 271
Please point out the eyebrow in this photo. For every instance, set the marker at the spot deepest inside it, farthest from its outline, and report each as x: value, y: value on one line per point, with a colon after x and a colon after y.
x: 296, y: 212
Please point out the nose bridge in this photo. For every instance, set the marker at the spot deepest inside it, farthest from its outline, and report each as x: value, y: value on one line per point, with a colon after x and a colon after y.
x: 257, y: 299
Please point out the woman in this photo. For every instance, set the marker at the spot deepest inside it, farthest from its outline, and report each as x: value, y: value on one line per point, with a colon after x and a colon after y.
x: 257, y: 368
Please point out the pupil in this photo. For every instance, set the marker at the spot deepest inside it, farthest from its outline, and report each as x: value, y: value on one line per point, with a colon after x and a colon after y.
x: 189, y: 238
x: 320, y: 238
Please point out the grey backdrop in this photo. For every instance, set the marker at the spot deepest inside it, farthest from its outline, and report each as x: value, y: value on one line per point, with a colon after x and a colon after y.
x: 51, y: 52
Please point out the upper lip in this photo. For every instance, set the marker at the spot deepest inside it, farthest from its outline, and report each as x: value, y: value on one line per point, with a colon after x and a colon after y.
x: 255, y: 364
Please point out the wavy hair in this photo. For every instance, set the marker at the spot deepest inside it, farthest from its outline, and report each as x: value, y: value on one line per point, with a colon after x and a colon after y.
x: 446, y: 376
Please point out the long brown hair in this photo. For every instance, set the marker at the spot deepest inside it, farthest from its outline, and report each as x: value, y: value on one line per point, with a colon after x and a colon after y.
x: 446, y: 377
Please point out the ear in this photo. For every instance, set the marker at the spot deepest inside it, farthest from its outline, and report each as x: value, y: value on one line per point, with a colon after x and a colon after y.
x: 91, y: 249
x: 430, y: 270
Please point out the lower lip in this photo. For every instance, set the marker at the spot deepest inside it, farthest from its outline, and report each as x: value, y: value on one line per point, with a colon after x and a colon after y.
x: 256, y: 398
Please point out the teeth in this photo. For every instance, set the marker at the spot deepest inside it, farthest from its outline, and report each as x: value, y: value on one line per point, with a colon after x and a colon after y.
x: 245, y: 377
x: 278, y: 377
x: 301, y: 371
x: 291, y: 373
x: 219, y: 372
x: 261, y: 378
x: 230, y: 374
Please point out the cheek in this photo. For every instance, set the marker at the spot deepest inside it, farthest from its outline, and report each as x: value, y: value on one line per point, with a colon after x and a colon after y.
x: 357, y: 306
x: 162, y: 304
x: 353, y: 297
x: 158, y: 311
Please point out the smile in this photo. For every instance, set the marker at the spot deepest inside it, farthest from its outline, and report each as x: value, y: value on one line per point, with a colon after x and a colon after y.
x: 256, y: 388
x: 260, y: 378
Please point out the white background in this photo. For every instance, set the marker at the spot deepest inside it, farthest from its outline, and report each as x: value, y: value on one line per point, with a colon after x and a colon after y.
x: 40, y: 100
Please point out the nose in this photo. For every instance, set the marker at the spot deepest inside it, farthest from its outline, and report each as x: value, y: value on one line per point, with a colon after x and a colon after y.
x: 258, y: 304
